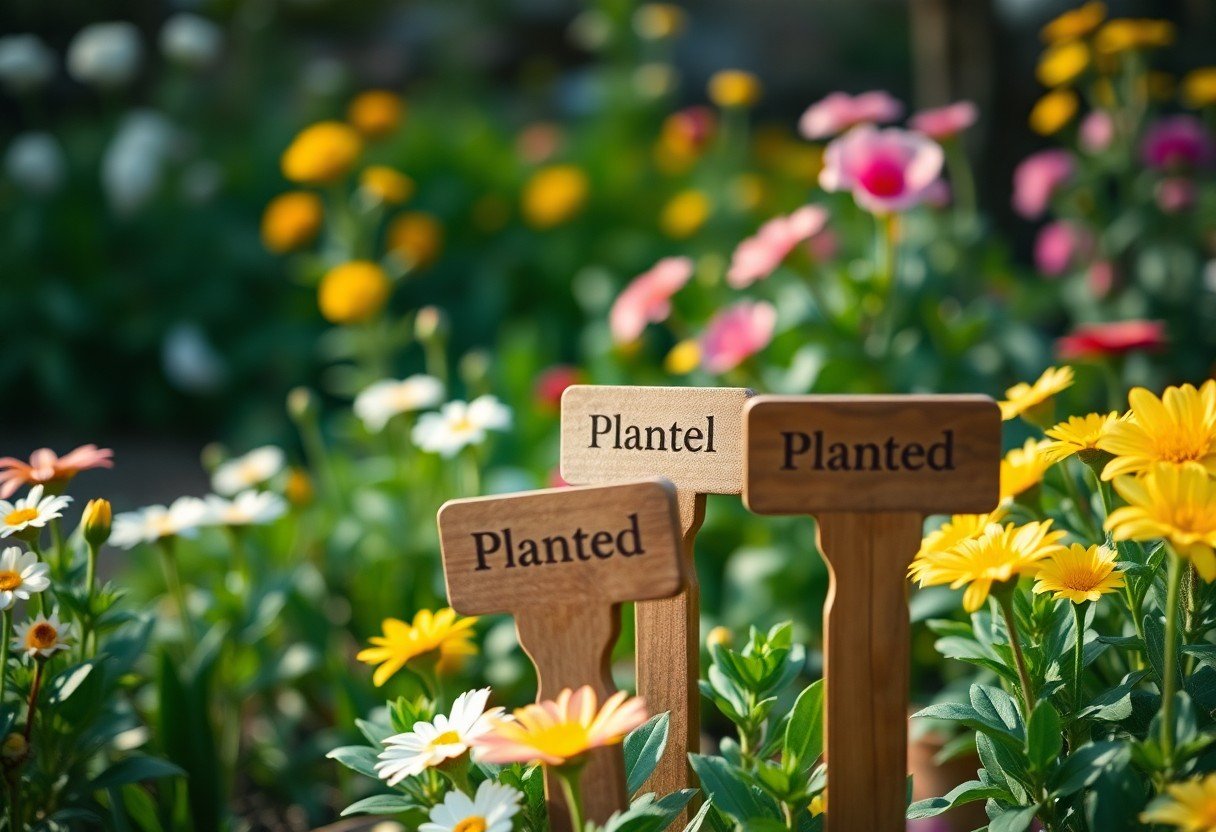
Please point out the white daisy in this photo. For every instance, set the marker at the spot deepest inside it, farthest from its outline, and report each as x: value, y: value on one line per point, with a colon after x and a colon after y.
x: 33, y: 511
x: 490, y: 810
x: 149, y: 524
x: 42, y: 636
x: 381, y: 401
x: 460, y: 424
x: 252, y: 469
x: 21, y: 575
x: 445, y: 737
x: 249, y: 508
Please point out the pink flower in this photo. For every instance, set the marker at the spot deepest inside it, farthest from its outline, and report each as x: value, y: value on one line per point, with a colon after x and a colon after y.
x: 1101, y: 278
x: 1175, y: 194
x: 758, y: 255
x: 47, y: 468
x: 887, y: 170
x: 1114, y: 338
x: 1037, y: 178
x: 552, y: 382
x: 1060, y: 245
x: 737, y: 333
x: 938, y: 194
x: 943, y: 123
x: 647, y: 299
x: 839, y: 111
x: 1176, y: 142
x: 1097, y: 131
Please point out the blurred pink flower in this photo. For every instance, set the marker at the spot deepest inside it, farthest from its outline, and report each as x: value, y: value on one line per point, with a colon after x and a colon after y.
x: 1097, y: 131
x: 553, y: 381
x: 1116, y: 338
x: 647, y: 299
x: 737, y: 333
x: 48, y: 468
x: 839, y: 111
x: 938, y: 194
x: 1036, y: 179
x: 823, y: 246
x: 756, y: 257
x: 1176, y: 142
x: 1101, y: 278
x: 1059, y: 245
x: 1175, y: 194
x: 945, y: 122
x: 539, y: 142
x: 692, y: 127
x: 887, y: 170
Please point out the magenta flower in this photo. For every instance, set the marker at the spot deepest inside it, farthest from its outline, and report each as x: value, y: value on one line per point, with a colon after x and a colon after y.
x: 759, y: 255
x: 1060, y: 245
x: 1174, y: 194
x: 887, y: 170
x: 647, y: 299
x: 1037, y: 178
x: 1176, y: 142
x: 840, y: 111
x: 737, y: 333
x: 1097, y: 131
x: 943, y: 123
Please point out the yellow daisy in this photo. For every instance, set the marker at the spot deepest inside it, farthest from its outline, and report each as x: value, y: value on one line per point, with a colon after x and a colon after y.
x: 1000, y: 554
x: 1189, y: 806
x: 954, y: 531
x: 1079, y: 573
x: 1032, y: 399
x: 1078, y: 435
x: 440, y: 636
x: 1174, y: 502
x: 1178, y: 427
x: 1062, y: 63
x: 1023, y: 468
x: 1075, y: 23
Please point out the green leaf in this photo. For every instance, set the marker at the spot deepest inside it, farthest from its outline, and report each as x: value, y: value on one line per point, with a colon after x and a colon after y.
x: 968, y: 792
x: 1014, y: 820
x: 135, y: 769
x: 966, y: 714
x: 727, y: 788
x: 698, y: 820
x: 380, y: 804
x: 358, y: 758
x: 141, y: 808
x: 1154, y: 638
x: 1115, y: 799
x: 804, y: 731
x: 643, y: 750
x: 185, y: 731
x: 1044, y: 736
x: 1115, y: 704
x: 1083, y: 766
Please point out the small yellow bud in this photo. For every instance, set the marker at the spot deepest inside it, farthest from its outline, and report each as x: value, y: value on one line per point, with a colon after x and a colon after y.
x: 96, y: 521
x: 734, y: 88
x: 298, y: 490
x: 719, y: 637
x: 429, y: 323
x: 354, y: 292
x: 301, y: 403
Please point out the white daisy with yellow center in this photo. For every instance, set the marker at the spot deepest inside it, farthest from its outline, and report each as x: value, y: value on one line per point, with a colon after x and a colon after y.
x: 249, y: 508
x: 42, y: 637
x: 444, y: 738
x: 249, y: 471
x: 33, y: 511
x: 460, y: 424
x: 489, y: 810
x: 21, y: 575
x: 147, y: 525
x: 380, y: 402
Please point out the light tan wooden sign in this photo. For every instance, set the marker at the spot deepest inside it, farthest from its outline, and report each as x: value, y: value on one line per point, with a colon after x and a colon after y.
x: 870, y: 468
x: 561, y: 561
x: 692, y: 436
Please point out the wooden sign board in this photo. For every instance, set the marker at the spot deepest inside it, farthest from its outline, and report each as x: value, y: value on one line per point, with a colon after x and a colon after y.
x: 693, y: 437
x: 561, y: 561
x: 870, y: 468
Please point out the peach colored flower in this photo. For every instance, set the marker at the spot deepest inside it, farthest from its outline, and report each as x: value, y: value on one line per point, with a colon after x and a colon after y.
x: 647, y: 299
x: 47, y: 468
x: 556, y: 731
x: 758, y: 255
x: 737, y: 333
x: 840, y: 111
x: 887, y: 170
x: 946, y: 122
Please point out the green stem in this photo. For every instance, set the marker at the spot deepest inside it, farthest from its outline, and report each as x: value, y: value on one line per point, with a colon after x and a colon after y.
x: 1078, y: 666
x: 35, y: 689
x: 90, y: 583
x: 569, y: 776
x: 1169, y: 661
x: 1005, y: 600
x: 173, y: 582
x: 4, y: 648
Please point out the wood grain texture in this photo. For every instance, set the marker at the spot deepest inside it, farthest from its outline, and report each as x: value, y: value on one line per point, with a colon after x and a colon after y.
x: 866, y: 667
x: 929, y: 454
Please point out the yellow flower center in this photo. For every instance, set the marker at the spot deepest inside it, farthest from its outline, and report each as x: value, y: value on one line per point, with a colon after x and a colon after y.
x: 42, y: 635
x: 9, y: 580
x: 446, y: 738
x: 21, y: 515
x: 565, y: 739
x: 473, y: 824
x: 1080, y: 578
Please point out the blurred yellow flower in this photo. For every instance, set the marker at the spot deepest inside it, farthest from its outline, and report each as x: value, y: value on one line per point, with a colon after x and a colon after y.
x: 818, y: 804
x: 291, y: 221
x: 353, y: 292
x: 659, y: 21
x: 1078, y: 435
x: 1075, y: 23
x: 1079, y: 574
x: 734, y: 88
x: 554, y: 195
x: 375, y: 113
x: 322, y: 154
x: 684, y: 214
x: 719, y: 637
x: 1126, y: 34
x: 1053, y: 112
x: 1062, y: 63
x: 1031, y: 400
x: 1199, y: 87
x: 1172, y: 502
x: 683, y: 358
x: 1189, y: 806
x: 385, y: 185
x: 416, y: 237
x: 1023, y: 468
x: 440, y: 637
x: 1179, y: 427
x: 298, y: 489
x: 954, y: 531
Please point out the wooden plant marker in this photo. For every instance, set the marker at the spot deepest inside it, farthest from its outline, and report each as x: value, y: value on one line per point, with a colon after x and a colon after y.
x: 692, y: 436
x: 870, y: 468
x: 561, y: 561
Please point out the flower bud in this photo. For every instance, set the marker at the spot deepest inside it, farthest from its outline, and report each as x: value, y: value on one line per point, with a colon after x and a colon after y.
x: 97, y: 520
x: 301, y: 403
x: 429, y: 323
x: 719, y: 637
